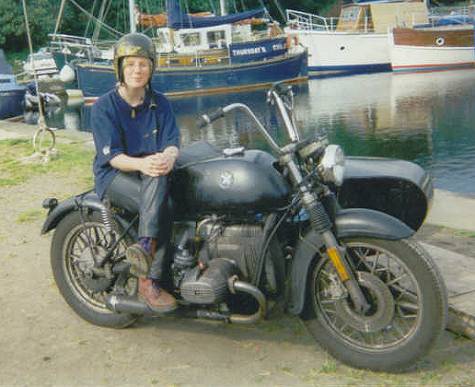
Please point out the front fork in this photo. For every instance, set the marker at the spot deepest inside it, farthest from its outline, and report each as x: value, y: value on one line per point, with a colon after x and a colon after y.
x: 321, y: 222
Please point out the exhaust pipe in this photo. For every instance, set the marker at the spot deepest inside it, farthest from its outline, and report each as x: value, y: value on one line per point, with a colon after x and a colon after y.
x: 132, y: 305
x: 240, y: 286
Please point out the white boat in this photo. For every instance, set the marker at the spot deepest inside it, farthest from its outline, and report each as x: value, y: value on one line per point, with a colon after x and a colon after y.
x: 42, y: 63
x: 356, y: 41
x: 432, y: 48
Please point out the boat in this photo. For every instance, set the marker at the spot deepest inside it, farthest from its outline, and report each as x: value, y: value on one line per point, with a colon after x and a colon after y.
x: 429, y: 48
x: 207, y: 54
x: 42, y: 63
x: 357, y: 40
x: 11, y: 93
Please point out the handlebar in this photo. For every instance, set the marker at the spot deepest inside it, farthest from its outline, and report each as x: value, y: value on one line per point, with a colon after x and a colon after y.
x: 273, y: 96
x: 207, y: 119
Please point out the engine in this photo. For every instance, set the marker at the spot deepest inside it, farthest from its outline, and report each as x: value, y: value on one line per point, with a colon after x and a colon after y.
x: 204, y: 264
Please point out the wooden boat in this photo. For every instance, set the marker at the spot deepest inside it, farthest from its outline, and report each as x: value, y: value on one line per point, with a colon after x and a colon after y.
x: 432, y: 48
x: 356, y: 41
x: 11, y: 94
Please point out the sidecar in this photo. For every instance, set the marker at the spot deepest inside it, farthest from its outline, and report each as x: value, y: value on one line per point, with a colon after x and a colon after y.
x: 396, y: 187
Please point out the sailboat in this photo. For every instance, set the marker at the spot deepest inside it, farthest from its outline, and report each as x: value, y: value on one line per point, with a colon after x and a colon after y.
x: 207, y: 54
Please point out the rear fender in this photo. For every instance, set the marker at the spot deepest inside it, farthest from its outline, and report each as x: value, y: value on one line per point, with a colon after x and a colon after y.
x: 355, y: 222
x: 85, y: 200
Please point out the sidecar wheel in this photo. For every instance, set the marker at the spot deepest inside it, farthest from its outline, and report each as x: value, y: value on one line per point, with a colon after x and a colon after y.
x: 408, y: 305
x: 70, y: 257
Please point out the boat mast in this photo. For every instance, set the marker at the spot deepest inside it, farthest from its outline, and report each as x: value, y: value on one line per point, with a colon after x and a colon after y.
x: 222, y: 7
x: 58, y: 20
x: 133, y: 27
x: 97, y: 28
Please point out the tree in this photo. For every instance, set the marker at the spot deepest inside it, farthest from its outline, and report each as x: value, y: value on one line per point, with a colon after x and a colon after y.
x: 12, y: 25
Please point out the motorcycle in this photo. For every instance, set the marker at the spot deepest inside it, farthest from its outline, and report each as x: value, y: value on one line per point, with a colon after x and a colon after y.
x: 327, y: 238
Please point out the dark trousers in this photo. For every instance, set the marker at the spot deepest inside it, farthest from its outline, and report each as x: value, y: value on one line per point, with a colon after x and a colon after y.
x: 149, y: 196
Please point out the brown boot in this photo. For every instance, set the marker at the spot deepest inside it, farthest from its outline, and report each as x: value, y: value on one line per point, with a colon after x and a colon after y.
x: 158, y: 299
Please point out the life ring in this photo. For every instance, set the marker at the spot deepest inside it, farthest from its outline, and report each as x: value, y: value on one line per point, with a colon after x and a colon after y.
x: 440, y: 41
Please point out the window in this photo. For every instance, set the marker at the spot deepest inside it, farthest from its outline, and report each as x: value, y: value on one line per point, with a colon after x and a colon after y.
x: 215, y: 36
x: 192, y: 39
x: 350, y: 14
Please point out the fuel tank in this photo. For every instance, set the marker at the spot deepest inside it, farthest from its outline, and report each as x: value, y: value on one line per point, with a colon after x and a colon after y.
x: 238, y: 183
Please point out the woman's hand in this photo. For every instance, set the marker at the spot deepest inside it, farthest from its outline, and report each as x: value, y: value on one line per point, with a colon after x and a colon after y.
x: 158, y: 164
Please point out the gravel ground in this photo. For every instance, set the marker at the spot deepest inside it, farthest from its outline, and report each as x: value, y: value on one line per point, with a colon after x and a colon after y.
x: 44, y: 343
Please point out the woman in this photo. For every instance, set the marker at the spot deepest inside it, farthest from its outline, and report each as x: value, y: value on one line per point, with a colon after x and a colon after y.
x: 137, y: 140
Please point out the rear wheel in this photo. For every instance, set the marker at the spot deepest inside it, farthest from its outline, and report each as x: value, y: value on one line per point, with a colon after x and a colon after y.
x: 73, y: 250
x: 408, y: 305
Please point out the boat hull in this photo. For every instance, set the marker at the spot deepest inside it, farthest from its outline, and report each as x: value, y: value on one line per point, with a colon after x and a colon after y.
x: 432, y: 49
x: 336, y: 53
x: 96, y: 79
x: 11, y: 103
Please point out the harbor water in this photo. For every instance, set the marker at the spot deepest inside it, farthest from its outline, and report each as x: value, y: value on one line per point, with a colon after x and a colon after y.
x: 428, y: 118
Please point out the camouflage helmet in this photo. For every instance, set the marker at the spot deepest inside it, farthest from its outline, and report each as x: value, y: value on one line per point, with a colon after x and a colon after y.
x: 133, y: 44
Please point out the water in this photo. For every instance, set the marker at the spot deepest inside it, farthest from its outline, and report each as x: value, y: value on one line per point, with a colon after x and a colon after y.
x: 427, y: 118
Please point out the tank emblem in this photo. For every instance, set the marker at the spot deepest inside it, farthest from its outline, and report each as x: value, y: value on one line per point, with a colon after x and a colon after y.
x: 226, y: 180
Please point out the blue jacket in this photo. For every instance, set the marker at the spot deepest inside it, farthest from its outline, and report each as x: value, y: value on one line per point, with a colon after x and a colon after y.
x: 118, y: 128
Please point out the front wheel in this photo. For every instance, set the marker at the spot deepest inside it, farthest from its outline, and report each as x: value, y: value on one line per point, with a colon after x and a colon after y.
x: 408, y: 305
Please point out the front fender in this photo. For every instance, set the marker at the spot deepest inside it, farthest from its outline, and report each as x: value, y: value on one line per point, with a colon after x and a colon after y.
x: 88, y: 200
x: 350, y: 223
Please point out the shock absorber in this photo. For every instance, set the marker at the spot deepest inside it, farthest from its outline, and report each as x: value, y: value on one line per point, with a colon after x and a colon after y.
x: 106, y: 216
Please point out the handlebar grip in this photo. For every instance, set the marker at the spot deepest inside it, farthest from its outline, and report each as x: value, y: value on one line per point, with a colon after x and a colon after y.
x: 206, y: 119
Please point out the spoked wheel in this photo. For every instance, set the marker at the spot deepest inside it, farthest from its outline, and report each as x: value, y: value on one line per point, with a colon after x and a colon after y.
x: 408, y: 305
x: 74, y: 249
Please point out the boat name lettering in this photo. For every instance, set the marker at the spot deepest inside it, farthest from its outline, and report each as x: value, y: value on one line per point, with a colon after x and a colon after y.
x: 278, y: 46
x: 249, y: 51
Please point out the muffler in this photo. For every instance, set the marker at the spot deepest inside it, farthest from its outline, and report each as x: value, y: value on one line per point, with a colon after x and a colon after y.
x: 128, y: 304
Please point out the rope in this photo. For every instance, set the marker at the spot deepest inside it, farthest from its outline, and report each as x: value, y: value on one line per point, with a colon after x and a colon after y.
x: 39, y: 135
x: 100, y: 22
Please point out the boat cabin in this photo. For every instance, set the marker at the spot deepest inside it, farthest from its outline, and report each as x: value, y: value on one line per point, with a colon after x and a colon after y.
x: 380, y: 16
x: 189, y: 40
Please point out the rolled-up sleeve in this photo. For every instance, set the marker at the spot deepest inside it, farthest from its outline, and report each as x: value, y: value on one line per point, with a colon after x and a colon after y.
x: 107, y: 137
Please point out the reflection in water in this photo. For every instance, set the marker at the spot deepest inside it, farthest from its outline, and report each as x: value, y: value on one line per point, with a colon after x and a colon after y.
x: 427, y: 118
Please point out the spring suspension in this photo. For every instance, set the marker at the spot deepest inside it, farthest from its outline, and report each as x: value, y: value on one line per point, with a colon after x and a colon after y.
x: 106, y: 217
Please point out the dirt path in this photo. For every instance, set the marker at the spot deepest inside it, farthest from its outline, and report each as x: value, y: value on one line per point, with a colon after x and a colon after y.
x: 42, y: 341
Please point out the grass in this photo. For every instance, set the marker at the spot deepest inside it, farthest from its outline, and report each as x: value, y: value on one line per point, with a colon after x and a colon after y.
x: 72, y: 159
x: 30, y: 216
x: 464, y: 233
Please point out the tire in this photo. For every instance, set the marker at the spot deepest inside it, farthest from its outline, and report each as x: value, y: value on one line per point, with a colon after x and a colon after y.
x: 70, y: 237
x: 408, y: 305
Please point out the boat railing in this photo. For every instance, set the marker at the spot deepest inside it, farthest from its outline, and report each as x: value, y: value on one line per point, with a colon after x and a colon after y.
x: 461, y: 16
x: 299, y: 20
x: 310, y: 22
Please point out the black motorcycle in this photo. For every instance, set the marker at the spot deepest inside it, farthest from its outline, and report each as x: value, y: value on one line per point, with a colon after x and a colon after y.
x: 328, y: 239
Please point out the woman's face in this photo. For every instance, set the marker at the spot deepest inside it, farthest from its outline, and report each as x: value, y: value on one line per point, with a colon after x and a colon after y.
x: 137, y: 71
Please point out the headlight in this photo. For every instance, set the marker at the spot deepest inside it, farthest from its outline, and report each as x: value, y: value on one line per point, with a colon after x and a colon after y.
x: 332, y: 165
